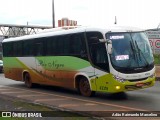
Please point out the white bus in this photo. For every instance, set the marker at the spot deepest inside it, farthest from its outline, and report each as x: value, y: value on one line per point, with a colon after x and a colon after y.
x: 88, y: 59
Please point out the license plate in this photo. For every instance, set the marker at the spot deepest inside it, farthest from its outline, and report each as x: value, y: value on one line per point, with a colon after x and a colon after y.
x: 140, y: 84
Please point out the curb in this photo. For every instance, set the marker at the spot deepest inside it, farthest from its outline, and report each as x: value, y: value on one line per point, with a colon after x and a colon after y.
x: 157, y: 78
x: 157, y: 70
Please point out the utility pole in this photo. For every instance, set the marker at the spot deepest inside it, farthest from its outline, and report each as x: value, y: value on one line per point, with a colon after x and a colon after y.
x: 158, y: 26
x: 115, y: 20
x: 53, y: 14
x: 27, y: 27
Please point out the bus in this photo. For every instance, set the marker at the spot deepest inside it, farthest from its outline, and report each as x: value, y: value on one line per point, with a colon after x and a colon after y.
x: 88, y: 59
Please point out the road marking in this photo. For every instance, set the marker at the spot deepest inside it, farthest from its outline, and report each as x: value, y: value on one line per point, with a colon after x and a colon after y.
x: 90, y: 104
x: 40, y: 100
x: 89, y: 101
x: 12, y: 92
x: 29, y: 95
x: 5, y: 89
x: 68, y: 105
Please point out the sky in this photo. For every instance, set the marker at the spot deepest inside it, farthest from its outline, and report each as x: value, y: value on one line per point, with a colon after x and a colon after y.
x: 137, y: 13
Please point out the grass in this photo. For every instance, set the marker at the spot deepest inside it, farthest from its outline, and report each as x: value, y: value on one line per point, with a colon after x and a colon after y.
x: 31, y: 106
x: 23, y: 106
x: 156, y: 59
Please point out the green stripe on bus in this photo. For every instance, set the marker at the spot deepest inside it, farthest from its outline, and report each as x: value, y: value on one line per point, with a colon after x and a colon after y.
x: 62, y: 63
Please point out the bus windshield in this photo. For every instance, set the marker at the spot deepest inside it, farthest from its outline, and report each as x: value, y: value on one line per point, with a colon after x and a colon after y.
x: 131, y: 51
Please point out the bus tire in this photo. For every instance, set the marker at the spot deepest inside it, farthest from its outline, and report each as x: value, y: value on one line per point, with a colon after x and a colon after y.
x: 27, y: 80
x: 84, y: 88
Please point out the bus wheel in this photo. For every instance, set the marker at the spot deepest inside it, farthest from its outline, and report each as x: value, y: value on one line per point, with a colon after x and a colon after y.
x: 84, y: 88
x: 27, y: 80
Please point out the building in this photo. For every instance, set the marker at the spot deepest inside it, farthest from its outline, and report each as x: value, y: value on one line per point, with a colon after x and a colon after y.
x: 66, y: 22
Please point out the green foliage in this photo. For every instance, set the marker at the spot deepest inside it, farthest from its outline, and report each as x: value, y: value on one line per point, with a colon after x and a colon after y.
x: 157, y: 59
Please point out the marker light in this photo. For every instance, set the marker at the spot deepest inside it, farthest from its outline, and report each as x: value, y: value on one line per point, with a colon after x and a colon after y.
x: 118, y: 87
x: 119, y: 78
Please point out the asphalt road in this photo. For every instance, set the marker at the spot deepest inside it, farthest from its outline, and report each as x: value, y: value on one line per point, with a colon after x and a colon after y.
x: 140, y: 100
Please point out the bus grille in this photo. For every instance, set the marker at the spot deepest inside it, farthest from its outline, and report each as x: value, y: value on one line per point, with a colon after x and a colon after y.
x: 135, y: 80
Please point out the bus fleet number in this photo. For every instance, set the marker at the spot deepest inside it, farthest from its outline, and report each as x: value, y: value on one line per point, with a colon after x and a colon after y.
x: 103, y: 88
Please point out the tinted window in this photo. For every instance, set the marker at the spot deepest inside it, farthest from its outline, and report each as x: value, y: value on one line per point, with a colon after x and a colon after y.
x: 38, y: 47
x: 72, y: 44
x: 8, y: 49
x: 60, y: 45
x: 76, y: 44
x: 99, y: 56
x: 66, y: 45
x: 28, y: 48
x: 51, y: 45
x: 98, y: 52
x: 17, y: 48
x: 93, y: 37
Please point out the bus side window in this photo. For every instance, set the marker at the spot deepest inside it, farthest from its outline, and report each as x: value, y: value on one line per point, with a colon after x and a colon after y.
x: 8, y: 49
x: 38, y: 47
x: 28, y: 48
x: 92, y: 42
x: 75, y: 44
x: 98, y: 52
x: 51, y: 45
x: 48, y: 46
x: 91, y: 35
x: 99, y: 56
x: 17, y: 48
x: 66, y: 45
x: 60, y: 44
x: 78, y: 46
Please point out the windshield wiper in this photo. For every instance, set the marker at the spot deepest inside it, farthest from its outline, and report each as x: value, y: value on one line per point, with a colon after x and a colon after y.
x: 131, y: 44
x: 134, y: 52
x: 140, y: 51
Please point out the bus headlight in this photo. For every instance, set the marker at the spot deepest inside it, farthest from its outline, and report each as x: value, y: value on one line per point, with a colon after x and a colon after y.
x: 152, y: 76
x: 119, y: 79
x: 118, y: 87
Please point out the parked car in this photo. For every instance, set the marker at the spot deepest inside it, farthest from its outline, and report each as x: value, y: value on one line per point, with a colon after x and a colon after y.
x: 1, y: 66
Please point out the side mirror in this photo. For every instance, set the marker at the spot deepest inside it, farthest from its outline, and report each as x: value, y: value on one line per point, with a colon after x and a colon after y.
x: 96, y: 40
x: 103, y: 40
x: 109, y: 46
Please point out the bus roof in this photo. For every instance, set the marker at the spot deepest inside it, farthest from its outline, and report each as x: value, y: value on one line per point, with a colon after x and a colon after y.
x: 63, y: 31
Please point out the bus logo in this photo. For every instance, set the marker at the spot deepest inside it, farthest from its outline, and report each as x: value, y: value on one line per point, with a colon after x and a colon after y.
x: 6, y: 114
